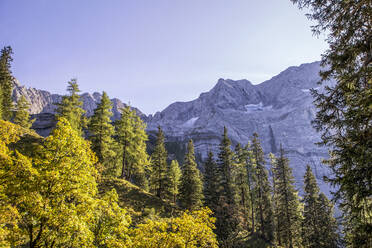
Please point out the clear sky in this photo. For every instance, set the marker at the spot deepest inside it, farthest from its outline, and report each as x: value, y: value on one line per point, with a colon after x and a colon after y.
x: 153, y: 52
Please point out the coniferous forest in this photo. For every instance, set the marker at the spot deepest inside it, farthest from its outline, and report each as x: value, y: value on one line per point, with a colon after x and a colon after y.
x: 93, y: 182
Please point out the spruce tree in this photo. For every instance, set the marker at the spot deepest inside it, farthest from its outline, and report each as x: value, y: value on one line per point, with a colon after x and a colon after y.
x: 226, y: 212
x: 264, y: 209
x: 210, y: 182
x: 319, y: 227
x: 241, y: 184
x: 21, y: 114
x: 251, y: 183
x: 101, y: 133
x: 132, y: 138
x: 344, y: 108
x: 159, y: 179
x: 191, y: 188
x: 6, y: 83
x: 70, y: 107
x: 329, y: 237
x: 288, y: 206
x: 174, y: 175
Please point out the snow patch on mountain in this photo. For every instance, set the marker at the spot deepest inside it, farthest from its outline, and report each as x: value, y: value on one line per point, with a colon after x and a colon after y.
x: 190, y: 123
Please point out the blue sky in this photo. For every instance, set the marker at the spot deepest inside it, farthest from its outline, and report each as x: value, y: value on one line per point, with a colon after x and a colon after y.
x: 153, y: 52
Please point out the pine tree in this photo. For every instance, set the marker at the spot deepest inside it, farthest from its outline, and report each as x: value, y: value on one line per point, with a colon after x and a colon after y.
x: 191, y: 188
x: 344, y: 108
x: 21, y: 115
x: 159, y: 178
x: 132, y: 139
x: 101, y: 133
x: 241, y: 184
x: 174, y: 175
x: 6, y: 83
x: 319, y: 226
x: 226, y: 212
x: 264, y: 209
x: 288, y: 206
x: 210, y: 183
x: 70, y: 107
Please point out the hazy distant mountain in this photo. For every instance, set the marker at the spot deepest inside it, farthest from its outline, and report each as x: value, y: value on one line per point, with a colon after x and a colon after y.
x: 280, y: 110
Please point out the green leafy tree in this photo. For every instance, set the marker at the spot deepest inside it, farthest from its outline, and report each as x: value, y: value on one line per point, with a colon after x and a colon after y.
x: 264, y: 209
x: 53, y: 191
x: 191, y: 188
x: 101, y: 133
x: 6, y: 83
x: 344, y: 108
x: 159, y: 183
x: 21, y: 115
x: 132, y: 138
x: 174, y: 175
x: 287, y: 211
x: 110, y: 225
x: 71, y: 109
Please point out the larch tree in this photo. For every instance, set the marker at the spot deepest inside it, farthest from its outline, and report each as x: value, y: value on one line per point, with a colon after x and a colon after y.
x: 6, y: 83
x: 287, y: 210
x: 159, y: 181
x: 70, y: 107
x: 174, y: 175
x: 191, y: 188
x: 132, y: 138
x: 101, y: 133
x: 344, y: 108
x: 264, y: 208
x: 21, y: 113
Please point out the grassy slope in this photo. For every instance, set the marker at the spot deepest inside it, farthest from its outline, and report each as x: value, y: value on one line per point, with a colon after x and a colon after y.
x: 141, y: 203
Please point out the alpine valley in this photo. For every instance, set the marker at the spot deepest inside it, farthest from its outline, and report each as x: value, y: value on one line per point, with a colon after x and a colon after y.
x: 280, y: 110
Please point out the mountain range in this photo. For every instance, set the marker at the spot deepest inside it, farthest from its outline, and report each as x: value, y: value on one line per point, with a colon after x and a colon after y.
x: 280, y: 110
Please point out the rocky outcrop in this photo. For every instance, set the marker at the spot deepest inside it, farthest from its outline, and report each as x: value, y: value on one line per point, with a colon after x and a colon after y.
x: 280, y: 110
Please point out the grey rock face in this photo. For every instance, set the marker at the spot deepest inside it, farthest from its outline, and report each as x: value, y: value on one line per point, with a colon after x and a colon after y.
x: 280, y: 110
x: 43, y: 106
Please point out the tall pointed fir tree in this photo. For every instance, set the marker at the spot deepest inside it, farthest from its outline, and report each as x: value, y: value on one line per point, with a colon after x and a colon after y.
x: 287, y: 211
x: 241, y: 184
x: 210, y: 183
x: 329, y: 237
x: 21, y: 114
x: 101, y: 133
x: 70, y: 107
x: 159, y: 183
x: 132, y: 138
x: 6, y: 83
x: 264, y: 209
x: 251, y: 183
x: 191, y: 188
x: 226, y: 212
x: 319, y: 226
x: 174, y: 175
